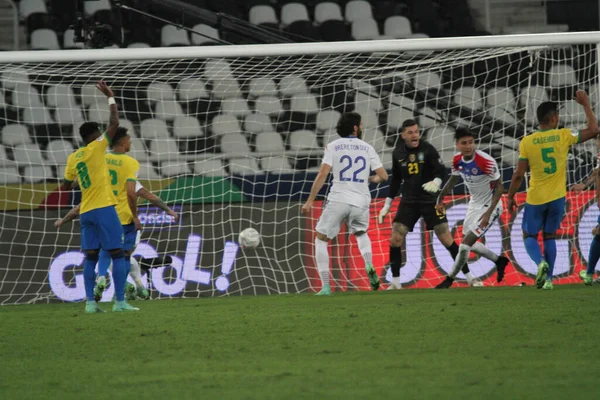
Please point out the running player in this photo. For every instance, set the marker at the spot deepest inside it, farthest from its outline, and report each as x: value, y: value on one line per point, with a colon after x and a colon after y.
x: 351, y: 161
x: 480, y: 173
x: 545, y: 153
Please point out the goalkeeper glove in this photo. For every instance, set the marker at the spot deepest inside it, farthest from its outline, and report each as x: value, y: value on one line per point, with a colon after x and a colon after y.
x: 385, y: 210
x: 433, y: 186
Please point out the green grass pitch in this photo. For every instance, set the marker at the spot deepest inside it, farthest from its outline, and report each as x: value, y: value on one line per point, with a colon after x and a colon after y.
x: 490, y: 343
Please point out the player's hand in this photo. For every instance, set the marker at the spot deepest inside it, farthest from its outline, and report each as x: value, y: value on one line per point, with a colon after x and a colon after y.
x: 173, y: 214
x: 103, y: 87
x: 432, y: 186
x: 512, y: 205
x: 307, y: 207
x: 138, y: 224
x: 440, y: 208
x: 582, y: 98
x: 578, y: 187
x: 58, y: 223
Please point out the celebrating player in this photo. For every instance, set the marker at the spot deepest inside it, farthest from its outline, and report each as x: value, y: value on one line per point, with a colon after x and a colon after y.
x: 418, y: 168
x: 545, y: 153
x: 100, y: 226
x: 351, y: 161
x: 480, y: 173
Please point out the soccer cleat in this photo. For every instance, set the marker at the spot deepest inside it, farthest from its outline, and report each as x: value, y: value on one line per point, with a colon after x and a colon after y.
x: 446, y: 283
x: 587, y: 279
x: 393, y: 286
x: 121, y: 306
x: 548, y: 285
x: 142, y: 293
x: 130, y: 291
x: 501, y: 264
x: 325, y: 291
x: 99, y: 288
x: 91, y: 307
x: 373, y: 279
x: 476, y: 283
x: 540, y: 278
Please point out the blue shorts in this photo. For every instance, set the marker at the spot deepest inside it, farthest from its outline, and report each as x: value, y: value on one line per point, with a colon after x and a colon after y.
x: 544, y: 217
x: 101, y: 229
x: 130, y: 235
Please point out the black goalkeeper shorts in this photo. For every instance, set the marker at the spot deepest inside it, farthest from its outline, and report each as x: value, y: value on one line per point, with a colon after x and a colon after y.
x: 409, y: 213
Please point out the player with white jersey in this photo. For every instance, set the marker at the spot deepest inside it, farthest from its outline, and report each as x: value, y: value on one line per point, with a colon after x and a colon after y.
x: 480, y: 173
x: 351, y: 161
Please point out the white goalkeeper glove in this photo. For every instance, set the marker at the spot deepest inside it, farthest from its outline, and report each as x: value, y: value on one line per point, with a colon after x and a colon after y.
x: 433, y: 186
x: 385, y: 210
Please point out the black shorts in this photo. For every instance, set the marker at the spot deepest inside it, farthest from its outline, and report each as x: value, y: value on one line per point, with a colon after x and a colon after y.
x: 409, y: 213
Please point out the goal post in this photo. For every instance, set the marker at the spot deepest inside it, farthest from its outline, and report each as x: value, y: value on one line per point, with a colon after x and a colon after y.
x: 231, y: 137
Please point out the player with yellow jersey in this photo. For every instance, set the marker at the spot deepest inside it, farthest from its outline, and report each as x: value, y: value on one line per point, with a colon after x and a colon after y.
x: 545, y: 153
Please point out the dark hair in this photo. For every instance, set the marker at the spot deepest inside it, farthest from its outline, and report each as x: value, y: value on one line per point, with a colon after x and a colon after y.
x: 346, y: 124
x: 461, y: 133
x: 87, y: 129
x: 120, y: 134
x: 545, y: 111
x: 407, y: 123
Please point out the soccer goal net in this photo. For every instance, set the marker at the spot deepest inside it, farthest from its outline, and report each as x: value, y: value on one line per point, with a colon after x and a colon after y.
x: 231, y: 137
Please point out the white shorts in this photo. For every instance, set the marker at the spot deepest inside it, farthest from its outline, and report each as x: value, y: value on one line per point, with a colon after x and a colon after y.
x: 330, y: 223
x: 473, y: 217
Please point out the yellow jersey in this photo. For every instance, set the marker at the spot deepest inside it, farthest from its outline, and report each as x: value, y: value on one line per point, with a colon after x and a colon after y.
x: 87, y: 164
x: 547, y: 153
x: 121, y: 169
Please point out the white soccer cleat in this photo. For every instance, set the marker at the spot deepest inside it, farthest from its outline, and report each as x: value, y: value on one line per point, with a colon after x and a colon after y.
x: 476, y: 283
x: 393, y: 286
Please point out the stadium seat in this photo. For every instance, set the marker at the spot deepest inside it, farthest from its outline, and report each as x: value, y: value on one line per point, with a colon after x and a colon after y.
x: 330, y: 135
x: 594, y: 93
x: 91, y: 95
x: 235, y: 143
x: 571, y: 114
x: 303, y: 140
x: 69, y: 115
x: 364, y: 101
x: 468, y: 97
x: 375, y: 138
x: 428, y: 118
x: 562, y: 75
x: 13, y: 77
x: 396, y: 115
x: 168, y: 110
x: 26, y: 96
x: 428, y: 81
x: 159, y: 91
x: 191, y: 89
x: 224, y: 88
x: 28, y: 154
x: 304, y: 103
x: 262, y: 87
x: 44, y: 39
x: 334, y: 31
x: 172, y: 36
x: 9, y: 176
x: 277, y: 165
x: 15, y: 134
x: 37, y: 116
x: 369, y: 118
x: 224, y: 124
x: 293, y: 12
x: 365, y: 29
x: 292, y: 84
x: 187, y: 127
x: 69, y: 40
x: 262, y: 14
x: 235, y: 106
x: 507, y: 117
x: 147, y: 172
x: 153, y: 128
x: 170, y: 169
x: 269, y: 142
x: 447, y: 156
x: 510, y: 158
x: 442, y: 138
x: 98, y: 113
x: 209, y: 34
x: 501, y: 97
x: 397, y: 27
x: 212, y: 167
x: 358, y: 9
x: 327, y: 120
x: 328, y: 11
x: 387, y: 160
x: 28, y: 7
x: 533, y: 94
x: 164, y: 149
x: 258, y: 122
x: 58, y: 151
x: 138, y: 150
x: 215, y: 69
x: 60, y: 95
x: 270, y: 105
x: 90, y: 7
x: 244, y: 166
x: 37, y: 173
x: 138, y: 45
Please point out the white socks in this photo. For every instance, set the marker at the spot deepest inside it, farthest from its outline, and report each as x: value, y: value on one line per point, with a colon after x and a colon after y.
x: 396, y: 281
x: 461, y: 259
x: 482, y: 250
x: 136, y: 272
x: 322, y: 257
x: 364, y: 245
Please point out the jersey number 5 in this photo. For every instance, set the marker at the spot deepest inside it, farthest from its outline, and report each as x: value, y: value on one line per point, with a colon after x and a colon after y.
x: 413, y: 168
x: 357, y: 160
x: 549, y: 159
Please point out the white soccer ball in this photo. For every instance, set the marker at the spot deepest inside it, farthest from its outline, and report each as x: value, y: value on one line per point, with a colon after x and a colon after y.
x: 249, y: 238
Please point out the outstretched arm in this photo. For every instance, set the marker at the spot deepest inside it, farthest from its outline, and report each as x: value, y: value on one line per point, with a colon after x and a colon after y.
x: 591, y: 131
x: 157, y: 201
x: 316, y: 187
x: 113, y: 121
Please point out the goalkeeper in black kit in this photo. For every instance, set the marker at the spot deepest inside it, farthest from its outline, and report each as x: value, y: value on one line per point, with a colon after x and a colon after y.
x: 418, y: 168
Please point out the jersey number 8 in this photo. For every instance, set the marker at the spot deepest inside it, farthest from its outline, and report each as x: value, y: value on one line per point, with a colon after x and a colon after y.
x: 84, y: 177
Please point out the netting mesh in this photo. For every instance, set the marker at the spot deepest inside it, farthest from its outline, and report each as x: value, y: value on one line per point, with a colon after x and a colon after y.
x: 236, y: 142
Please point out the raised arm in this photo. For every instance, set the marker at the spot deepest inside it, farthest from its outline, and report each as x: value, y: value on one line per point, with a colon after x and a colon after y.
x: 591, y: 131
x: 316, y: 187
x: 157, y: 201
x: 113, y: 120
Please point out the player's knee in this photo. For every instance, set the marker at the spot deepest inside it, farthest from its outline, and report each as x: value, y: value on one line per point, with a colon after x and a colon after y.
x: 464, y: 248
x: 91, y: 255
x: 529, y: 235
x: 548, y: 236
x: 117, y: 253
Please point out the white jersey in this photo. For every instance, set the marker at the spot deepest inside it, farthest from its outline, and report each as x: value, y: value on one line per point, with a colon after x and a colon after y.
x: 478, y: 174
x: 351, y: 161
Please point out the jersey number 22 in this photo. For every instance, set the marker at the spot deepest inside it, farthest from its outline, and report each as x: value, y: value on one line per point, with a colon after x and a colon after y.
x: 359, y: 162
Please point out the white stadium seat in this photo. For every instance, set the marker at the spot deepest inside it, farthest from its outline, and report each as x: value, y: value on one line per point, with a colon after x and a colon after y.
x: 225, y: 88
x: 164, y: 149
x: 397, y: 27
x: 505, y: 116
x: 468, y: 97
x: 58, y: 151
x: 69, y: 115
x: 562, y: 75
x: 244, y: 166
x: 269, y: 142
x: 15, y: 134
x: 442, y: 138
x: 262, y: 87
x: 9, y: 176
x: 224, y: 124
x: 330, y: 136
x: 293, y: 12
x: 571, y: 114
x: 303, y: 140
x: 44, y: 39
x: 172, y: 36
x: 187, y: 127
x: 168, y: 110
x: 209, y: 34
x: 37, y: 116
x: 501, y: 97
x: 212, y: 167
x: 69, y: 40
x: 428, y: 81
x: 304, y: 103
x: 428, y: 118
x: 533, y: 94
x: 217, y: 69
x: 12, y: 77
x: 396, y: 115
x: 147, y: 172
x: 328, y: 11
x: 292, y: 84
x: 364, y: 100
x: 277, y: 164
x: 358, y: 9
x: 262, y: 14
x: 92, y: 6
x: 192, y: 89
x: 235, y: 106
x: 369, y: 118
x: 61, y: 94
x: 234, y: 143
x: 387, y: 160
x: 99, y: 112
x: 406, y: 103
x: 91, y: 95
x: 447, y: 157
x: 257, y: 122
x: 153, y: 128
x: 138, y: 150
x: 37, y: 173
x: 28, y: 154
x: 270, y: 105
x: 375, y: 138
x: 365, y: 29
x: 159, y: 91
x: 25, y: 95
x: 327, y: 120
x: 28, y: 7
x: 174, y: 168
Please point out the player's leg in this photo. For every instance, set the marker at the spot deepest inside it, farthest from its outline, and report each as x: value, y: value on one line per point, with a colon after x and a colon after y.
x: 358, y: 224
x: 90, y: 244
x: 481, y: 249
x: 554, y: 216
x: 103, y: 265
x: 593, y: 256
x: 328, y: 227
x: 533, y: 219
x: 406, y: 217
x: 129, y: 238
